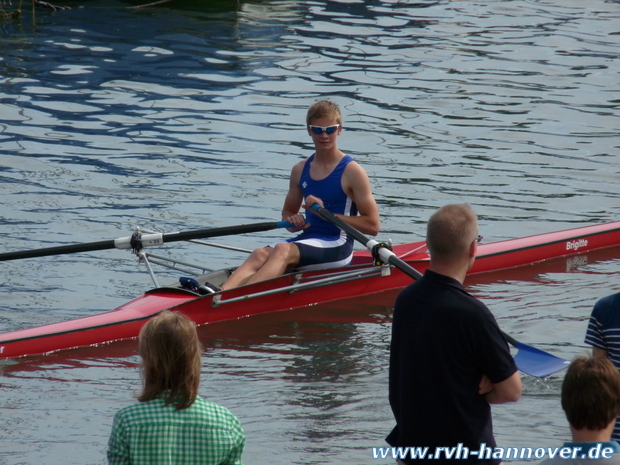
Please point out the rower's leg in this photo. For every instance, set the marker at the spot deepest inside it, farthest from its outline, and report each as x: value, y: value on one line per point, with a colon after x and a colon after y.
x: 282, y: 256
x: 254, y: 262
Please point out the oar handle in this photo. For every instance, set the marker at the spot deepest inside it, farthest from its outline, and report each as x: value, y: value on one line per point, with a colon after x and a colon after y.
x: 225, y: 231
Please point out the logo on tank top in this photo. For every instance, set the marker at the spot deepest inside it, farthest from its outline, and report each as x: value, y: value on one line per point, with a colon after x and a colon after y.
x: 304, y: 184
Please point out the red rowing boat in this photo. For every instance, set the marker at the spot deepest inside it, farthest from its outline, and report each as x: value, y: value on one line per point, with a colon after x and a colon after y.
x: 293, y: 290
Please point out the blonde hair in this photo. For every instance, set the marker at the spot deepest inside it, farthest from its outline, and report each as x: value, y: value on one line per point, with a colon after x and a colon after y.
x: 323, y: 109
x: 450, y: 231
x: 171, y: 359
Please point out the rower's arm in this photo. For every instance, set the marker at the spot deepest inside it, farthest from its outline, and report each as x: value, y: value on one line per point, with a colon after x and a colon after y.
x: 294, y: 199
x: 357, y: 186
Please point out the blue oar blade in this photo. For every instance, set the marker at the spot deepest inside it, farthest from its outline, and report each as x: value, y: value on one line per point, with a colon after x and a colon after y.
x: 535, y: 362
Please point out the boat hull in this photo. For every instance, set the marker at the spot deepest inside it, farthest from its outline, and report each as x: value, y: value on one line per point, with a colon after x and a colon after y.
x: 294, y: 290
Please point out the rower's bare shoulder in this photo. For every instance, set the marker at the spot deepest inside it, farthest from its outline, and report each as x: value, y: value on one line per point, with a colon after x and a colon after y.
x: 299, y: 166
x: 296, y: 173
x: 355, y: 173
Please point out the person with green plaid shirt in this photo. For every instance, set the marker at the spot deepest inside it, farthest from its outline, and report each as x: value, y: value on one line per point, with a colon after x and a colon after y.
x: 171, y: 424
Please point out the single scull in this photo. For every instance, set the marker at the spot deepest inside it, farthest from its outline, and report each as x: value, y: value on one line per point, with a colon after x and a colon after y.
x: 293, y: 290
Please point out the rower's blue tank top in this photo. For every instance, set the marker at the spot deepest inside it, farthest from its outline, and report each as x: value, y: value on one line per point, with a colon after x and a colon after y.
x: 329, y: 190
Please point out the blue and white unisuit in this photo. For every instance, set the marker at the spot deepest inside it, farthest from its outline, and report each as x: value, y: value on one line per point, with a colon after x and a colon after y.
x: 324, y: 245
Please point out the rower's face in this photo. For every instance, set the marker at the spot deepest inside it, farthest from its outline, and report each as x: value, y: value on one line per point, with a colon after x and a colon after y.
x: 324, y: 125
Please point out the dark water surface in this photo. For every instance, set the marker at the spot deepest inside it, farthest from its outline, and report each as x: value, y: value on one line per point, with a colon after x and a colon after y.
x: 190, y: 115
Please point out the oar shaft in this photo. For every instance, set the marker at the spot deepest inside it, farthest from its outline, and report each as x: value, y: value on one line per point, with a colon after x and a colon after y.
x: 60, y: 250
x: 146, y: 240
x: 225, y: 231
x: 511, y: 340
x: 386, y: 255
x: 351, y: 231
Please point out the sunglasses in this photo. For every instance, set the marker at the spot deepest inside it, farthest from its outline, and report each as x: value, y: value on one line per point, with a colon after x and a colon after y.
x: 318, y: 130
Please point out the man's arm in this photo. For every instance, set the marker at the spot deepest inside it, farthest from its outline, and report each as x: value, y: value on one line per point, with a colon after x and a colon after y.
x: 356, y: 185
x: 596, y: 352
x: 508, y: 390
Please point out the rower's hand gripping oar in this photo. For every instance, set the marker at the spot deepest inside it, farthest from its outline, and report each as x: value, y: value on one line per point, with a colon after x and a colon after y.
x: 529, y: 360
x: 138, y: 240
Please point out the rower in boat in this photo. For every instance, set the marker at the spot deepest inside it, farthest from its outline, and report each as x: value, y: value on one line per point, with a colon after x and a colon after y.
x: 328, y: 178
x: 399, y: 264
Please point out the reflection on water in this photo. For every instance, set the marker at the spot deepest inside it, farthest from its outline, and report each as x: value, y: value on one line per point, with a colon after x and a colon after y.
x: 190, y: 115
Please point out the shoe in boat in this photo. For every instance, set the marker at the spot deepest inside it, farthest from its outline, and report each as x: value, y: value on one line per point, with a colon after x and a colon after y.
x: 189, y: 284
x: 193, y: 285
x: 208, y: 288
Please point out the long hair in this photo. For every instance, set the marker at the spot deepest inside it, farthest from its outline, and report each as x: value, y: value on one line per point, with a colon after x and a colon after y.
x: 171, y: 359
x: 591, y: 393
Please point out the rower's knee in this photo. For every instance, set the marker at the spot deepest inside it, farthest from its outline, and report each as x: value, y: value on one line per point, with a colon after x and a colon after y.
x: 285, y: 252
x: 280, y: 250
x: 260, y: 255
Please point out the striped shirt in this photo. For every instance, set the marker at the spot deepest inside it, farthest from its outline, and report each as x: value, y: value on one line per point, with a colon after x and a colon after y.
x: 604, y: 333
x: 156, y: 434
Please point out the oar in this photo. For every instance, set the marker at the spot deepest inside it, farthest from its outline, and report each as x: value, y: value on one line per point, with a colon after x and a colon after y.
x: 535, y: 362
x: 138, y: 240
x: 529, y: 360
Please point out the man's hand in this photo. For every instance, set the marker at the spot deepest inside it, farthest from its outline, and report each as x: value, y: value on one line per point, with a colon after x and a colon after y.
x: 485, y: 385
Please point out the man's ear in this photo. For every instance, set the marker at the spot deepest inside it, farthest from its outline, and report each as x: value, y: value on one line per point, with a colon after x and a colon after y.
x: 473, y: 248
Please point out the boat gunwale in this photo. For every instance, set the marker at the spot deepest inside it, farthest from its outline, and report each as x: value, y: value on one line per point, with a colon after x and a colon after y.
x: 566, y: 238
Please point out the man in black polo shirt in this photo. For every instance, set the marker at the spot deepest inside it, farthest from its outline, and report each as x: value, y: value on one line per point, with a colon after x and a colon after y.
x: 448, y: 358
